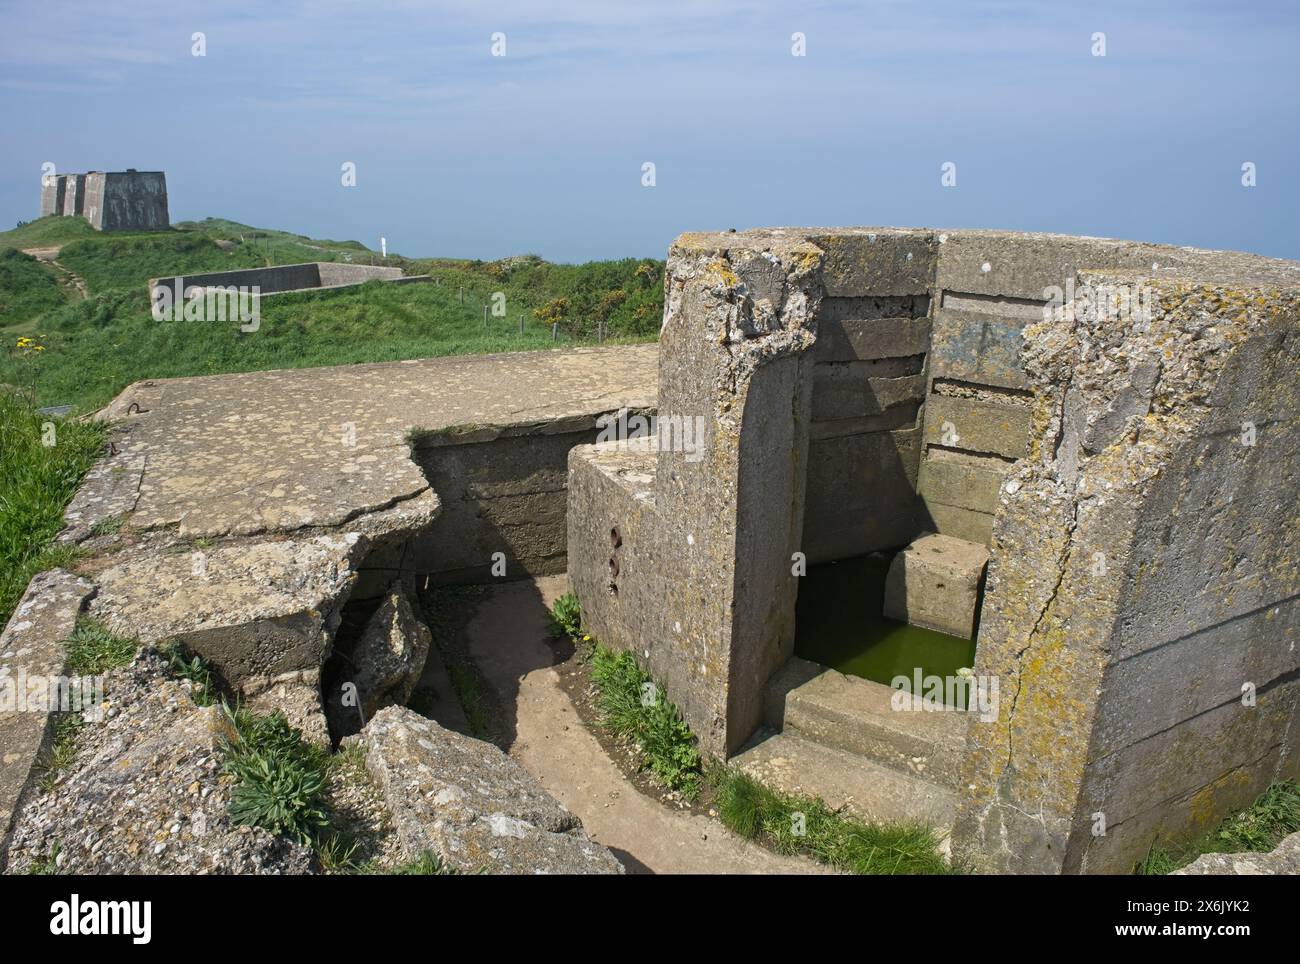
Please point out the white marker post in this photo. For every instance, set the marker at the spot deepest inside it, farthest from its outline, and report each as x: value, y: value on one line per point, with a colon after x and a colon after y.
x: 383, y: 247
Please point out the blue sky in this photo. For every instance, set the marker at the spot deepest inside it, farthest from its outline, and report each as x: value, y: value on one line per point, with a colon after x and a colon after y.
x: 460, y: 153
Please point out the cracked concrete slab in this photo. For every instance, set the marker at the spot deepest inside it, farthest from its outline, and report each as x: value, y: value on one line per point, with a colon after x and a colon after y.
x: 271, y: 452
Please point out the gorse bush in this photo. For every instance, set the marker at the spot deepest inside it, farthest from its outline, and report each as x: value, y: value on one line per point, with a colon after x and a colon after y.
x: 280, y: 777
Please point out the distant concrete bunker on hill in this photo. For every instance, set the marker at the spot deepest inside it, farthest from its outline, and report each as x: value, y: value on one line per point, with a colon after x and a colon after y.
x: 127, y: 200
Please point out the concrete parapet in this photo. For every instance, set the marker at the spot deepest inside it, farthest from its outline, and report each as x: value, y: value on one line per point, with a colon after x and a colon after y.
x: 33, y: 660
x: 1131, y: 472
x: 1140, y: 608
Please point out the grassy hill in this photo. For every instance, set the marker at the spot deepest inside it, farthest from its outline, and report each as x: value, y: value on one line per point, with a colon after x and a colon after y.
x: 96, y: 344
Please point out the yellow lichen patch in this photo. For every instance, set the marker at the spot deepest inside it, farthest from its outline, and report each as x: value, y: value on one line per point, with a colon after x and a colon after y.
x: 1204, y: 809
x: 723, y: 271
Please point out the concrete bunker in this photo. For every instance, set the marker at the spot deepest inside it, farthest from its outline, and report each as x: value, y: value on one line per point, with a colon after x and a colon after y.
x: 1074, y: 408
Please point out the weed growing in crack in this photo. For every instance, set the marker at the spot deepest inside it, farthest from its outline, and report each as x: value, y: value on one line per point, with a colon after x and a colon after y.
x: 92, y: 649
x: 428, y: 864
x: 566, y: 616
x: 192, y: 667
x: 280, y: 777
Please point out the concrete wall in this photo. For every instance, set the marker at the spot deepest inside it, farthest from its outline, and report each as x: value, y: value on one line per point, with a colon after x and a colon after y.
x: 131, y: 201
x: 1143, y: 558
x: 502, y: 490
x: 869, y: 381
x: 1143, y: 572
x: 110, y: 201
x: 53, y: 188
x: 74, y: 196
x: 288, y: 277
x: 683, y: 557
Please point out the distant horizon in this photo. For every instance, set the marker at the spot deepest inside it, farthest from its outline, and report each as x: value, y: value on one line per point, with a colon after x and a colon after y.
x: 484, y: 133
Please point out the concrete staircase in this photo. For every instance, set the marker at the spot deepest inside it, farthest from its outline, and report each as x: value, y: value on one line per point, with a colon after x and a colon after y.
x: 836, y: 737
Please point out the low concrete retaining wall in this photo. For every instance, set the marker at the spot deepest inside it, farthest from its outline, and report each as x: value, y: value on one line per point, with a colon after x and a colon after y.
x: 283, y: 278
x: 504, y: 489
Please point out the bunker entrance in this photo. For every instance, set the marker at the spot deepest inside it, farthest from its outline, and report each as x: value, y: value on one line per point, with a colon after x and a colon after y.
x: 840, y: 623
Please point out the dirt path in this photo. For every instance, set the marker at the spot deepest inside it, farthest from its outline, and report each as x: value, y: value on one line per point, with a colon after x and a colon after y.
x: 507, y: 639
x: 51, y: 257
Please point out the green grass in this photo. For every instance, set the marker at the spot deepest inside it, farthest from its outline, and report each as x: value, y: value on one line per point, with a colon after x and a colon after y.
x: 48, y: 232
x: 92, y: 649
x: 110, y: 261
x: 98, y: 345
x: 428, y: 864
x: 635, y: 708
x: 62, y: 750
x: 27, y: 288
x: 89, y: 651
x: 1257, y: 829
x: 800, y: 825
x: 36, y: 482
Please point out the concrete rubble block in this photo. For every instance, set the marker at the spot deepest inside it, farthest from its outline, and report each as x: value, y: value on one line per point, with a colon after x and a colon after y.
x: 389, y: 657
x: 31, y: 648
x: 935, y: 583
x: 297, y: 695
x: 1282, y: 859
x: 145, y: 792
x: 467, y: 802
x: 256, y: 609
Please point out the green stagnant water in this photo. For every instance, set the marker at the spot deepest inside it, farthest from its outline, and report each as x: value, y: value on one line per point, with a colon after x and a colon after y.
x: 840, y: 624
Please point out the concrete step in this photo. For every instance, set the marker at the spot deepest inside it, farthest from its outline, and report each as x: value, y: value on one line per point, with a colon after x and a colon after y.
x: 856, y: 715
x: 875, y: 793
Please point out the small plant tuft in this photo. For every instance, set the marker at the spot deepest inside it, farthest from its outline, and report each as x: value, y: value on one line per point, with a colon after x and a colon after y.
x: 184, y: 665
x: 428, y: 864
x: 92, y: 649
x: 280, y: 777
x: 566, y: 616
